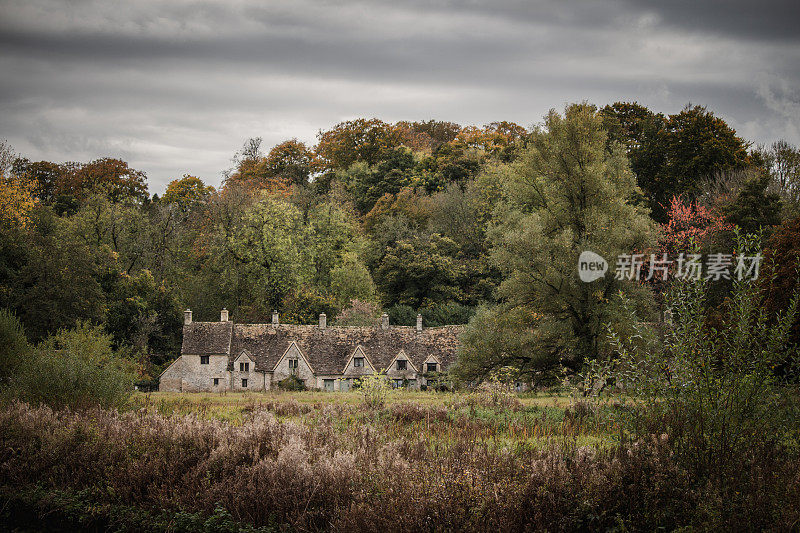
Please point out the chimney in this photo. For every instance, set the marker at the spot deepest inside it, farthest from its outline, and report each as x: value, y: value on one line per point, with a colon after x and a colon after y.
x: 274, y: 318
x: 384, y: 321
x: 323, y: 320
x: 419, y: 323
x: 187, y: 317
x: 223, y: 315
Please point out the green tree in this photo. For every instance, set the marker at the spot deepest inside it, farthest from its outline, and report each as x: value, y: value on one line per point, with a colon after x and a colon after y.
x: 568, y: 192
x: 674, y: 155
x: 754, y: 209
x: 419, y: 272
x: 51, y: 279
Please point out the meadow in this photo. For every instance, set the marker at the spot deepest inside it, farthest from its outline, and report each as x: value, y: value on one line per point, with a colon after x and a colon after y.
x: 315, y: 461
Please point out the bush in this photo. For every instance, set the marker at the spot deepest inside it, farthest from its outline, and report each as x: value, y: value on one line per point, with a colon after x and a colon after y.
x: 714, y: 393
x: 75, y: 368
x: 374, y: 390
x: 292, y: 383
x: 14, y: 347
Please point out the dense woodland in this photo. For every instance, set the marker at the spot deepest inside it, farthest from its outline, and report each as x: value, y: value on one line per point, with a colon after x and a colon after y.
x: 463, y: 224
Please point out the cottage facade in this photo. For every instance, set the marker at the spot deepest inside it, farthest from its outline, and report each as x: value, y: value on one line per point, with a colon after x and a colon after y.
x: 224, y: 356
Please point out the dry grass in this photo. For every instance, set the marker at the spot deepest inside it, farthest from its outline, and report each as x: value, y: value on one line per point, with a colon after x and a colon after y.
x: 313, y: 461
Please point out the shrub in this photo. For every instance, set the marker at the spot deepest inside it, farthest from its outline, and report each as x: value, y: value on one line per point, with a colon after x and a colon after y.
x: 714, y: 392
x: 14, y: 347
x: 75, y: 368
x: 374, y: 390
x: 292, y: 383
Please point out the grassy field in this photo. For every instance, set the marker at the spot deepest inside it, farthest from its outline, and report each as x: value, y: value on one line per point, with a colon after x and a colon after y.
x: 528, y: 420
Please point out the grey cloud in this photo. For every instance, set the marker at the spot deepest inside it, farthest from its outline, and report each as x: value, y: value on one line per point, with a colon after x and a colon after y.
x: 177, y: 87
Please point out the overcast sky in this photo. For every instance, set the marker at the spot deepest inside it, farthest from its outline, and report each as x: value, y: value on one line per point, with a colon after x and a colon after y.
x: 177, y: 87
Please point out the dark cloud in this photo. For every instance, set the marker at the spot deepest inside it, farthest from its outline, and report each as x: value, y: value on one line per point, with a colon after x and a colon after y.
x: 739, y: 19
x: 177, y: 87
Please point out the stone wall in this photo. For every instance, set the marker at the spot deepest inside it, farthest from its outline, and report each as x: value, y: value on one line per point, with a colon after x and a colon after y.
x: 282, y: 370
x: 189, y: 375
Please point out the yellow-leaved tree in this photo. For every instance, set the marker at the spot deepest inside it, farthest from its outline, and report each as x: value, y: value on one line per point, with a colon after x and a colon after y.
x: 17, y: 197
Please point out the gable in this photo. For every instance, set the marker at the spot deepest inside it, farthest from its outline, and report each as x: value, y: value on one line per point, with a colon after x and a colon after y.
x: 244, y: 357
x: 175, y: 366
x: 402, y: 356
x: 431, y: 359
x: 294, y: 352
x: 350, y: 368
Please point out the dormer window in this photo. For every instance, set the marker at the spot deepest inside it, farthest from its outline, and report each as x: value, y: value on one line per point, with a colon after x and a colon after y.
x: 292, y: 364
x: 358, y: 362
x: 203, y: 359
x: 401, y: 364
x: 244, y: 367
x: 431, y: 367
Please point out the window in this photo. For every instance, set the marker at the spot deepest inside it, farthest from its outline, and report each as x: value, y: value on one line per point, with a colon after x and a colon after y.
x: 244, y: 383
x: 203, y: 359
x: 431, y: 367
x: 327, y: 384
x: 358, y: 362
x: 401, y: 364
x: 398, y: 383
x: 244, y: 367
x: 293, y: 364
x: 216, y: 381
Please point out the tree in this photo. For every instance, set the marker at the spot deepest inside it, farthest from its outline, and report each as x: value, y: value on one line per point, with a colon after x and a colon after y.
x: 419, y: 272
x: 569, y: 192
x: 781, y: 162
x: 428, y: 134
x: 50, y: 278
x: 16, y: 199
x: 48, y: 177
x: 367, y: 184
x: 76, y: 368
x: 259, y: 256
x: 674, y: 155
x: 351, y: 280
x: 754, y: 209
x: 780, y: 276
x: 187, y: 192
x: 252, y: 173
x: 352, y: 141
x: 15, y: 348
x: 290, y: 160
x: 691, y: 226
x: 114, y: 177
x: 494, y: 339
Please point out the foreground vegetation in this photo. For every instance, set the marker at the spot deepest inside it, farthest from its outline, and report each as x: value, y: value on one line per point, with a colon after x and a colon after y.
x: 425, y: 461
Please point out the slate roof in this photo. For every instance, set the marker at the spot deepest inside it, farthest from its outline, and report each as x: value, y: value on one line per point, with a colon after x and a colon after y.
x: 327, y: 350
x: 207, y: 338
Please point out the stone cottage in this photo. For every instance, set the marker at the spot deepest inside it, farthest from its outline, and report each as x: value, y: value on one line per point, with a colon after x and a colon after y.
x: 224, y: 356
